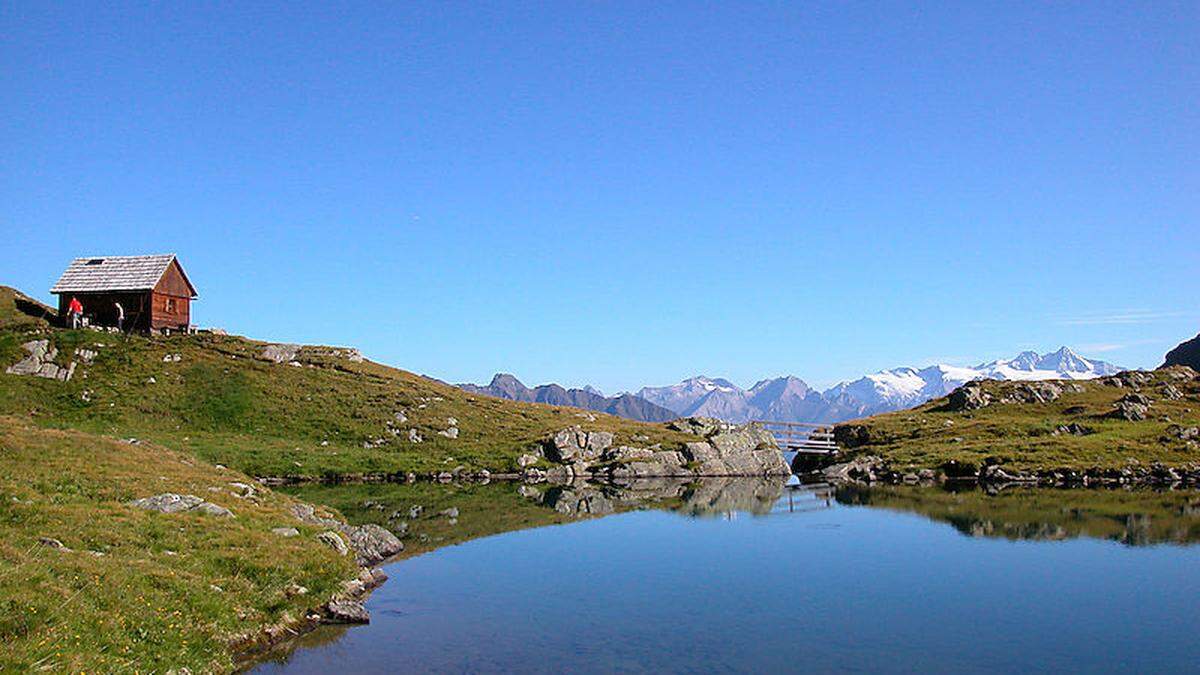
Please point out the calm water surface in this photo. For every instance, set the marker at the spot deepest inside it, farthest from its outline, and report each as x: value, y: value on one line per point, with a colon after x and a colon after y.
x: 742, y: 575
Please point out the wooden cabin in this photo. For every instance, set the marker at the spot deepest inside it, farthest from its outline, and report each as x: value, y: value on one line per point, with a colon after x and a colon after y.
x: 153, y: 290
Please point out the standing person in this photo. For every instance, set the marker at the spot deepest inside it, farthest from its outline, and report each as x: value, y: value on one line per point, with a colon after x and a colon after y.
x: 75, y: 309
x: 120, y: 316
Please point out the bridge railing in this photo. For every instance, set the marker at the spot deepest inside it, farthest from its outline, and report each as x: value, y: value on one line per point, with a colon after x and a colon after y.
x: 806, y: 437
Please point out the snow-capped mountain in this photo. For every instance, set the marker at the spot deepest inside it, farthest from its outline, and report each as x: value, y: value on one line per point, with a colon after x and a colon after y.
x: 901, y: 388
x: 789, y: 398
x: 695, y: 394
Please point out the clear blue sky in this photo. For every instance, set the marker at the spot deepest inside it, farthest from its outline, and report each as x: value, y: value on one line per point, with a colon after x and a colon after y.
x: 625, y: 193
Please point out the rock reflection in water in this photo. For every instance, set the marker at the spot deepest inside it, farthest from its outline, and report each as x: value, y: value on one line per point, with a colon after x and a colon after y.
x: 1131, y: 517
x: 703, y: 497
x: 428, y: 516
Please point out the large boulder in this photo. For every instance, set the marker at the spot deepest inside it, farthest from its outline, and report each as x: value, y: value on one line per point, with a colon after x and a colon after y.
x: 346, y: 611
x: 970, y: 396
x: 721, y: 449
x: 1131, y: 408
x: 731, y: 449
x: 1033, y: 392
x: 373, y: 544
x: 574, y: 444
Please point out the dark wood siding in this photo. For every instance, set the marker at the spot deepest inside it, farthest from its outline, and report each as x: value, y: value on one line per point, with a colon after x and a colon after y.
x: 100, y: 310
x: 169, y: 311
x: 173, y: 282
x: 171, y: 301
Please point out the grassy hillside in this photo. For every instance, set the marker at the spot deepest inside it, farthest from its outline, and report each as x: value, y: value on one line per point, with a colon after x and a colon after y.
x: 1079, y: 429
x: 319, y: 413
x: 134, y: 590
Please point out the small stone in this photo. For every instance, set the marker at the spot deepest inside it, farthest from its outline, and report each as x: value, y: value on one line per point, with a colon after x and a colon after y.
x: 334, y: 540
x: 285, y: 531
x: 346, y: 611
x: 55, y: 544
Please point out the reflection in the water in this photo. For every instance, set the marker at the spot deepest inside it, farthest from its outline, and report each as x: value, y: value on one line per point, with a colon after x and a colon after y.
x: 1132, y: 517
x: 703, y: 497
x: 428, y: 516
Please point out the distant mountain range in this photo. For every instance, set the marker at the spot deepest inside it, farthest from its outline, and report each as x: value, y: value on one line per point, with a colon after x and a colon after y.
x: 789, y: 398
x: 628, y: 406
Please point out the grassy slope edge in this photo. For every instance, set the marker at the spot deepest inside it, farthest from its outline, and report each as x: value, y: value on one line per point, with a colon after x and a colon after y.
x: 1023, y: 435
x: 137, y: 590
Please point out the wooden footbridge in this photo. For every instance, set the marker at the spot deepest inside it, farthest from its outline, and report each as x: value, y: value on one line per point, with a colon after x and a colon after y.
x: 802, y: 437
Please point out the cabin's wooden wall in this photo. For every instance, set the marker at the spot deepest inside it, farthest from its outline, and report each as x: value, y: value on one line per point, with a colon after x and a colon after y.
x: 169, y: 311
x: 173, y: 282
x: 172, y: 288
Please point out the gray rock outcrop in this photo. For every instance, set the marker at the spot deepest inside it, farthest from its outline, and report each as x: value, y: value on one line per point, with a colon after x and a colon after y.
x: 1073, y: 429
x: 970, y: 396
x: 371, y: 543
x: 724, y: 449
x: 170, y: 502
x: 282, y: 353
x: 334, y: 541
x: 40, y: 362
x: 1131, y: 408
x: 1033, y: 392
x: 346, y: 611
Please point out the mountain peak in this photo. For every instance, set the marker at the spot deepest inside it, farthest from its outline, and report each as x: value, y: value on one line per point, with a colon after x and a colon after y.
x: 1065, y: 361
x: 505, y: 379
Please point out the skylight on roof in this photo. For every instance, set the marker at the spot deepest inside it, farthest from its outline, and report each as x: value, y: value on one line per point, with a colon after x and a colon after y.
x: 96, y: 261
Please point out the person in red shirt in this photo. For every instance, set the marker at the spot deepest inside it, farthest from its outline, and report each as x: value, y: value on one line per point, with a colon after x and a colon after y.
x: 75, y: 309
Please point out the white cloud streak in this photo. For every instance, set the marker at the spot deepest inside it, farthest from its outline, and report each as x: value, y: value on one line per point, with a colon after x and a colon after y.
x: 1130, y: 317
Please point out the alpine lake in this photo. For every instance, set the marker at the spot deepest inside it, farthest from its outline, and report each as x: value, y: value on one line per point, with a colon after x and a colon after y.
x: 762, y: 576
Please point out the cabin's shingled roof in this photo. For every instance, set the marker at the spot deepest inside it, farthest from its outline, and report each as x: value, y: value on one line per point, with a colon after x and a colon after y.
x: 115, y: 273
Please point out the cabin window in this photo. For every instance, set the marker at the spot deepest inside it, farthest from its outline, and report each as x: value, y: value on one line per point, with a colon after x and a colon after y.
x: 170, y: 304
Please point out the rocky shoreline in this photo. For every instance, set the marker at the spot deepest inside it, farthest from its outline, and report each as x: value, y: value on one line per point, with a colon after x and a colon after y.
x: 371, y: 546
x: 870, y: 469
